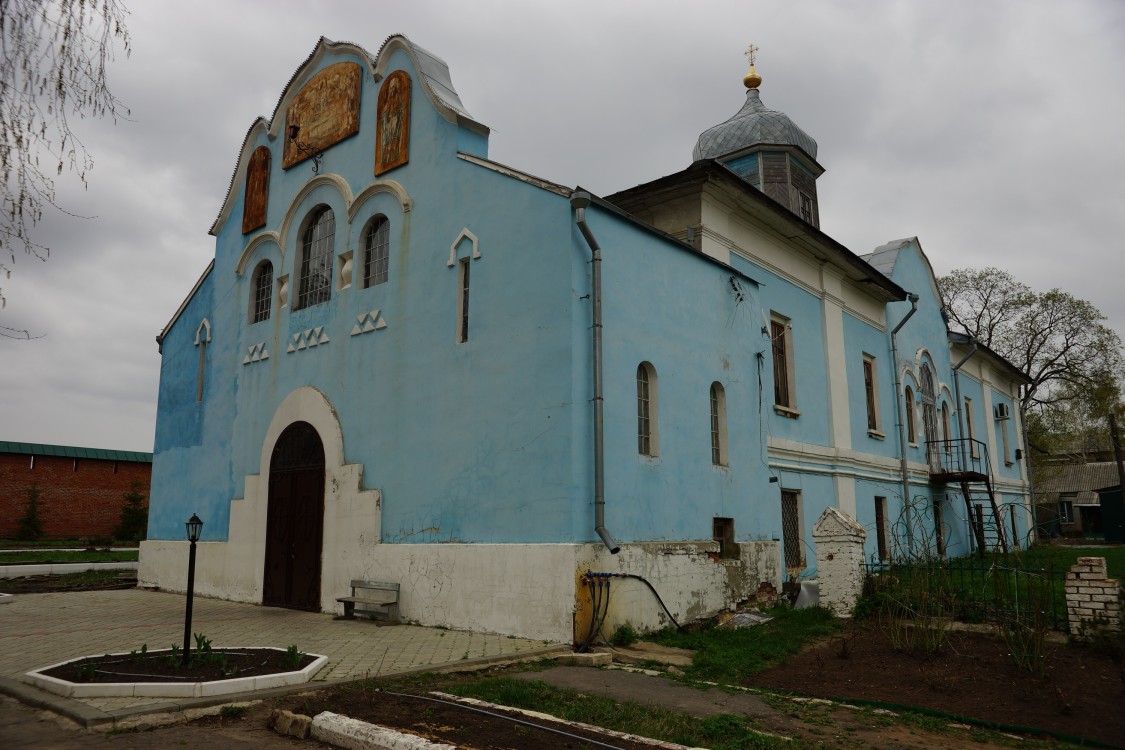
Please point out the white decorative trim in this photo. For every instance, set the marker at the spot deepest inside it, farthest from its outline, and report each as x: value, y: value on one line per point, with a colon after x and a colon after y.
x: 368, y: 322
x: 390, y: 187
x: 205, y: 324
x: 256, y: 353
x: 329, y: 180
x: 259, y: 239
x: 465, y: 234
x: 308, y: 339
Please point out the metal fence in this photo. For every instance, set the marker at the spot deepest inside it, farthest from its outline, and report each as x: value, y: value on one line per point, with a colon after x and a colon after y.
x: 972, y: 590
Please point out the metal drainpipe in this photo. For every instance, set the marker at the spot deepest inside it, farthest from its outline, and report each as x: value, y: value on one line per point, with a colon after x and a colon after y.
x: 578, y: 201
x: 913, y: 299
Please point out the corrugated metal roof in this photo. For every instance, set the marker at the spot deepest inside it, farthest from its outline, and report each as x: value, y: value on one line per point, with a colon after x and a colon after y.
x: 70, y: 451
x: 1081, y: 479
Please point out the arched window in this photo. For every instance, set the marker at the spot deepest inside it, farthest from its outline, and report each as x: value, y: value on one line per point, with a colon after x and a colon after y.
x: 315, y: 285
x: 718, y: 425
x: 647, y: 444
x: 376, y: 253
x: 261, y: 294
x: 908, y: 416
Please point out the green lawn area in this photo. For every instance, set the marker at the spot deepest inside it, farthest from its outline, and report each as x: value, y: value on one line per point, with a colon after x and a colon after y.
x: 730, y: 656
x: 67, y: 556
x: 1062, y: 556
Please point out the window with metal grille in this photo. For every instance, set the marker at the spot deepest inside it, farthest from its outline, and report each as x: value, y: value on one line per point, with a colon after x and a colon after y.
x: 376, y: 256
x: 782, y: 374
x: 939, y: 527
x: 263, y: 292
x: 646, y: 410
x: 315, y: 285
x: 870, y: 387
x: 718, y: 425
x: 791, y: 529
x: 463, y: 301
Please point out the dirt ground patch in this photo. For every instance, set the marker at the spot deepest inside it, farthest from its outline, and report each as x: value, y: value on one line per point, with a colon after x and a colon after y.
x: 46, y: 584
x: 165, y: 666
x: 1081, y: 693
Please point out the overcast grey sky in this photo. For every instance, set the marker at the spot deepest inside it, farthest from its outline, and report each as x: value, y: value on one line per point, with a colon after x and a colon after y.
x: 991, y: 130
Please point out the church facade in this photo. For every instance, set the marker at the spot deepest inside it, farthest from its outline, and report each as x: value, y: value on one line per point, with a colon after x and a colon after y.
x: 542, y: 411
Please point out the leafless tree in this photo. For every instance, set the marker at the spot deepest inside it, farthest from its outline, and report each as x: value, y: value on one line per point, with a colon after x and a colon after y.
x: 53, y: 58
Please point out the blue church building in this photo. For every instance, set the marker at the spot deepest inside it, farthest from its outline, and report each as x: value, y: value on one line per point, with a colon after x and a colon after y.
x: 409, y: 363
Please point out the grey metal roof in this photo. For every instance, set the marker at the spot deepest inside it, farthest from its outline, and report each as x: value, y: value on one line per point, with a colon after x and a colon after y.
x: 884, y: 257
x: 753, y: 125
x: 436, y: 73
x: 70, y: 451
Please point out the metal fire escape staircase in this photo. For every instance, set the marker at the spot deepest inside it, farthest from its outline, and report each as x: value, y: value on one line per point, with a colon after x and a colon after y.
x: 965, y: 462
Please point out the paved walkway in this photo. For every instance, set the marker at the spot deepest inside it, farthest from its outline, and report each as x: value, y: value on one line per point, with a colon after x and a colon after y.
x: 38, y: 630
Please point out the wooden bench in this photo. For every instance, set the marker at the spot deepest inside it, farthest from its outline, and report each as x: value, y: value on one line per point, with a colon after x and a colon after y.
x: 378, y: 599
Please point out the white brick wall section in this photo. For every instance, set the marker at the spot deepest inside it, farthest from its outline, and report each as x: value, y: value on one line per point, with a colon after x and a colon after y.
x: 1093, y: 601
x: 839, y: 560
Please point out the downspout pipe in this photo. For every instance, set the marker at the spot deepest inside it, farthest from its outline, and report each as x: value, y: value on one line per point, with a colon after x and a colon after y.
x: 903, y: 466
x: 579, y: 200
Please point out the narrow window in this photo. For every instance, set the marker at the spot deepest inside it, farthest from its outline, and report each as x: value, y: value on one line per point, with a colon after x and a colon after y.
x: 781, y: 336
x: 722, y: 531
x: 1066, y: 511
x: 946, y: 425
x: 199, y: 376
x: 881, y: 528
x: 908, y: 415
x: 261, y: 296
x: 791, y: 532
x: 315, y: 285
x: 871, y: 393
x: 376, y: 255
x: 969, y: 427
x: 718, y: 425
x: 939, y: 527
x: 1003, y: 425
x: 806, y: 208
x: 646, y: 410
x: 463, y: 301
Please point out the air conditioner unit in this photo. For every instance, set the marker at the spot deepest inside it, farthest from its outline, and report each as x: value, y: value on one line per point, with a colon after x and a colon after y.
x: 1001, y: 411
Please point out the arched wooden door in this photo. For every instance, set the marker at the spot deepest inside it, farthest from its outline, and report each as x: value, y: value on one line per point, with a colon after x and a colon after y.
x: 295, y: 520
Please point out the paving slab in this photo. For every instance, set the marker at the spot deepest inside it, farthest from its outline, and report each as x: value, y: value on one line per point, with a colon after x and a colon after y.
x: 41, y: 629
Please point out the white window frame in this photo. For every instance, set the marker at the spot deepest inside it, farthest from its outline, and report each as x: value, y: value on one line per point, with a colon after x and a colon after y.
x: 1066, y: 511
x: 871, y: 396
x: 315, y: 260
x: 463, y: 280
x: 648, y: 422
x: 781, y: 341
x: 261, y: 296
x: 376, y: 251
x: 909, y: 417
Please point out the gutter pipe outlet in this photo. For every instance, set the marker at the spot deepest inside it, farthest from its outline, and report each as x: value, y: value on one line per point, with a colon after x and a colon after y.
x: 904, y: 468
x: 579, y: 200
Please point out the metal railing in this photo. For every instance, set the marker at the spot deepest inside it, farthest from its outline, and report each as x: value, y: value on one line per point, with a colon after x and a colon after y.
x: 973, y: 590
x: 958, y: 456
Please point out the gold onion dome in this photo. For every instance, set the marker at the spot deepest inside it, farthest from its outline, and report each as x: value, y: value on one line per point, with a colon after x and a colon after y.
x: 752, y: 80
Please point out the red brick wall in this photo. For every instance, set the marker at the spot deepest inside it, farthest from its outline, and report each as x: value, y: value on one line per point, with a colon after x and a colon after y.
x: 76, y: 500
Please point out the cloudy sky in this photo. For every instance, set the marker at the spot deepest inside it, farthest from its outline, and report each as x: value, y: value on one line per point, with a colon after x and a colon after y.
x: 991, y: 130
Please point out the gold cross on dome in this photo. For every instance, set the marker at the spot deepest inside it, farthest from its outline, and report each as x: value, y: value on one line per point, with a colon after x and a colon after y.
x: 751, y: 52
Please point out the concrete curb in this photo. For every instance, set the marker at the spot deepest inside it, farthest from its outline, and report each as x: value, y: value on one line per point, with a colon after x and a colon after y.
x: 91, y: 717
x: 45, y: 569
x: 353, y: 734
x: 201, y: 689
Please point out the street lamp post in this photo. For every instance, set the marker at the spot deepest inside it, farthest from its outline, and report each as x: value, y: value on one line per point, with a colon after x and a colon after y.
x: 194, y: 527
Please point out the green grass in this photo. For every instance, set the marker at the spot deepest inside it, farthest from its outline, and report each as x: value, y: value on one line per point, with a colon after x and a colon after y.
x: 69, y: 556
x: 1062, y: 556
x: 724, y: 732
x: 730, y: 656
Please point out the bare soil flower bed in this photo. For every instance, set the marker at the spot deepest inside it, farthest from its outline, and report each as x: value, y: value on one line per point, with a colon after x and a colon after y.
x: 161, y: 666
x: 1081, y: 693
